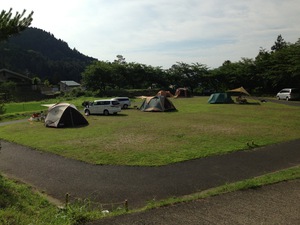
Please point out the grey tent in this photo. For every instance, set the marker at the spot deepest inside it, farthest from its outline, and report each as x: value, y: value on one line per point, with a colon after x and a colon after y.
x: 64, y: 115
x: 220, y: 98
x: 157, y: 104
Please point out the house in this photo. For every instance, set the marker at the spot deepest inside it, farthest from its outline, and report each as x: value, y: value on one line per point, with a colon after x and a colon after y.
x: 20, y: 79
x: 68, y: 85
x: 22, y: 90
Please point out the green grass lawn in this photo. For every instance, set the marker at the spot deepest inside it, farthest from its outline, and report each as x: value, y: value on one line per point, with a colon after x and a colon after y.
x: 132, y: 137
x: 197, y: 130
x: 22, y: 205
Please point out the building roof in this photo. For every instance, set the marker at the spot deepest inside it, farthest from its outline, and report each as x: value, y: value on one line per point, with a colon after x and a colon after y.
x: 70, y: 83
x: 14, y: 74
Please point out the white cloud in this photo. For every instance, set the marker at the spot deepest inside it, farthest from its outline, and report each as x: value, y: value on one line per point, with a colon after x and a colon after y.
x: 162, y: 32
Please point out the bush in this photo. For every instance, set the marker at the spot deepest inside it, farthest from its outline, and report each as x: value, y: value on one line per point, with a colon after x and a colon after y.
x: 2, y: 107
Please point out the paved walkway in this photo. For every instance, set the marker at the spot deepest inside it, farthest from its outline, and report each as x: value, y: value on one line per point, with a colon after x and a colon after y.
x: 268, y: 205
x: 57, y: 176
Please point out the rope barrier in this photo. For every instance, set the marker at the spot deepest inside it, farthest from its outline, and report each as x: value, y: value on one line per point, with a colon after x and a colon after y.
x: 112, y: 204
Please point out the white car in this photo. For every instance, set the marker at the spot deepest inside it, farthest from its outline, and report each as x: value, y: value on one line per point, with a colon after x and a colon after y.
x: 288, y: 94
x: 106, y: 107
x: 124, y: 101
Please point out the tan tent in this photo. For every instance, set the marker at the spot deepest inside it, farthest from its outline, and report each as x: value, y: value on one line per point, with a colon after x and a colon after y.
x: 64, y: 115
x: 164, y: 93
x: 182, y: 92
x: 157, y: 104
x: 240, y: 90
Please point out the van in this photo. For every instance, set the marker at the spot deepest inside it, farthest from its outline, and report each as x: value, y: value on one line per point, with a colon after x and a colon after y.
x: 106, y: 107
x: 124, y: 101
x: 288, y: 94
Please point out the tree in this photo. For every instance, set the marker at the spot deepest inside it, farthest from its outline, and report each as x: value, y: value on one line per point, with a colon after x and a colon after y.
x: 279, y: 44
x: 186, y: 75
x: 98, y: 76
x: 120, y: 59
x: 10, y: 25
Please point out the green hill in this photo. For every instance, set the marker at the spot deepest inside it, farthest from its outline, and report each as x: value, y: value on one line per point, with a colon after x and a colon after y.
x: 38, y: 53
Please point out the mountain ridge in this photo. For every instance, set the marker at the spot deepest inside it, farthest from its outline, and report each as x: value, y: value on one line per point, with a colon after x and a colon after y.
x: 38, y: 53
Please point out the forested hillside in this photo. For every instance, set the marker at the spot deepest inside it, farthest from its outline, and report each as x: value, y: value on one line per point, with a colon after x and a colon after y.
x: 38, y: 53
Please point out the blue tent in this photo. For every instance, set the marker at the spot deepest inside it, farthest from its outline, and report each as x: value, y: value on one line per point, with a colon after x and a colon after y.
x: 220, y: 98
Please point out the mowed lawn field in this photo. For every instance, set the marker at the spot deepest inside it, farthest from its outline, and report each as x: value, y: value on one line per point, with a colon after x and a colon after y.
x: 132, y: 137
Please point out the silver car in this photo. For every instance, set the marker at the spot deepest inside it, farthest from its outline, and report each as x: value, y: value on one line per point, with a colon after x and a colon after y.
x: 288, y: 94
x: 124, y: 102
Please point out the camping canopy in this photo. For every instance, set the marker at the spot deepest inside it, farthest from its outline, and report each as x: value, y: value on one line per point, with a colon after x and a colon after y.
x: 240, y: 90
x: 220, y: 98
x: 64, y: 115
x: 157, y: 104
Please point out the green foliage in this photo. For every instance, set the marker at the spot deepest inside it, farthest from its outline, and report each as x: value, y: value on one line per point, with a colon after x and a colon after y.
x: 7, y: 90
x: 11, y: 25
x: 266, y: 74
x: 21, y: 205
x: 36, y: 80
x: 2, y: 107
x: 279, y: 44
x: 38, y: 53
x: 98, y: 76
x: 185, y: 75
x: 121, y: 75
x: 280, y: 68
x: 73, y: 94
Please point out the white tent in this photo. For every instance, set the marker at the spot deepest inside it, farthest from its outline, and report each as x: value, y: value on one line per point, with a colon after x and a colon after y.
x: 64, y: 115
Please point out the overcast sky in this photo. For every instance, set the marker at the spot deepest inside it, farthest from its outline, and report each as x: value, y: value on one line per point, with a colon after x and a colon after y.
x: 163, y: 32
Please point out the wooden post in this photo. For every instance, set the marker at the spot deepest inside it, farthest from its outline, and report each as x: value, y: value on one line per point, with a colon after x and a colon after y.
x: 67, y: 199
x: 126, y: 205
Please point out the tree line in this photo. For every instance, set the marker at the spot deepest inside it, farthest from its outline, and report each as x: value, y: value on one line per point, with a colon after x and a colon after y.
x: 268, y: 72
x: 39, y: 54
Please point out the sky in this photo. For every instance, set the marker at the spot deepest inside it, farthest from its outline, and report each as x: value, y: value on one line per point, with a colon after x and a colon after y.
x: 164, y: 32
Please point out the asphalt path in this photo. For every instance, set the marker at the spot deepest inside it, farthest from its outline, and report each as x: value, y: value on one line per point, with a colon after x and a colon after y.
x: 284, y: 102
x: 268, y: 205
x: 56, y: 175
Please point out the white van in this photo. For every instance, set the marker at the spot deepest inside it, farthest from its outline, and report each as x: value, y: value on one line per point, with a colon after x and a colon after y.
x: 288, y: 94
x: 124, y: 101
x: 106, y: 107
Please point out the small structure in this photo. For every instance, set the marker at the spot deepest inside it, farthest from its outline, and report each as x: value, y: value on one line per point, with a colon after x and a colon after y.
x: 68, y: 85
x: 164, y: 93
x: 182, y: 92
x: 240, y: 93
x: 220, y: 98
x: 8, y: 75
x: 64, y: 115
x: 157, y: 104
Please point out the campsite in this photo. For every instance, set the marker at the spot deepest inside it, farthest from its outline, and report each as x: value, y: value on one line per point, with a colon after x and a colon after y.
x: 133, y: 137
x: 139, y: 140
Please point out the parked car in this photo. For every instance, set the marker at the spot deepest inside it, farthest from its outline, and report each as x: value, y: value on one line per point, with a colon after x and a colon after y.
x: 106, y: 107
x: 288, y: 94
x: 124, y: 101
